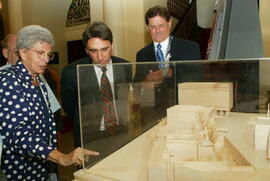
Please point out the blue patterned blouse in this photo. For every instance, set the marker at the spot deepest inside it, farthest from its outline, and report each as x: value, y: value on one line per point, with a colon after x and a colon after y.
x: 27, y: 126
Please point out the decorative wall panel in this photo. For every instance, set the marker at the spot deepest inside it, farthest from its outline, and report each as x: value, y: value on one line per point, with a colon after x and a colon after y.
x: 78, y: 13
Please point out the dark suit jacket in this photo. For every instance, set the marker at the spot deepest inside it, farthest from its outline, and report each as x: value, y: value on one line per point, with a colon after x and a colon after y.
x: 90, y: 97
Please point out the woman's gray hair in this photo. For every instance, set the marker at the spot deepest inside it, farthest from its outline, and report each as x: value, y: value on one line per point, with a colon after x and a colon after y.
x: 32, y: 34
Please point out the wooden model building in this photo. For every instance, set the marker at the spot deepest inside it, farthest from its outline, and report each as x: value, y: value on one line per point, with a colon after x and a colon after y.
x: 193, y: 143
x: 210, y: 148
x: 190, y: 138
x: 218, y: 95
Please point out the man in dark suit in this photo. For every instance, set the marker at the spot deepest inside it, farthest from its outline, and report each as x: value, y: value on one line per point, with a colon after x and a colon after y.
x: 78, y: 77
x: 159, y: 22
x: 165, y: 49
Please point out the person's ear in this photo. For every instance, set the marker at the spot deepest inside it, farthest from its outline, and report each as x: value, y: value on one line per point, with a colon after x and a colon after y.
x: 147, y: 28
x: 22, y: 53
x: 86, y: 50
x: 170, y: 23
x: 5, y: 52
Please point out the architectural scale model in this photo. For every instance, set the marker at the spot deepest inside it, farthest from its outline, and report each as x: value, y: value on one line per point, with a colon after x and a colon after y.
x: 193, y: 143
x: 190, y: 142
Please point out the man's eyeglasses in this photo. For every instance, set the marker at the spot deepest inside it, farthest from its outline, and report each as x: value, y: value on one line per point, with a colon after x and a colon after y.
x: 42, y: 54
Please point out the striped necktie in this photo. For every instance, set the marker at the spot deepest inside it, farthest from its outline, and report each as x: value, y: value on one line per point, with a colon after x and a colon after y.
x: 160, y: 56
x: 108, y: 108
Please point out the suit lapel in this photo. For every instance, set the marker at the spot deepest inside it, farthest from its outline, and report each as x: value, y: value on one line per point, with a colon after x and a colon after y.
x: 118, y: 75
x: 93, y: 79
x: 152, y: 53
x: 173, y: 49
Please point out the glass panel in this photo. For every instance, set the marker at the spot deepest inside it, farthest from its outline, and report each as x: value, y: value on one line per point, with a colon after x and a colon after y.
x: 139, y: 105
x: 141, y: 102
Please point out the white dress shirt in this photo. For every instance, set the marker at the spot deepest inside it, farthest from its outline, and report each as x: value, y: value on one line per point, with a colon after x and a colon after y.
x: 164, y: 46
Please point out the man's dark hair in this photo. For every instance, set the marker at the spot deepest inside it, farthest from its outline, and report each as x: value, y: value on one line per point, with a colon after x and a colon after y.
x: 157, y: 11
x: 97, y: 30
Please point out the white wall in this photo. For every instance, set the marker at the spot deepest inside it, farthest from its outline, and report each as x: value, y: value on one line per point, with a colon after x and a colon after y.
x: 134, y: 33
x: 47, y: 14
x: 15, y: 18
x: 114, y: 18
x: 126, y: 22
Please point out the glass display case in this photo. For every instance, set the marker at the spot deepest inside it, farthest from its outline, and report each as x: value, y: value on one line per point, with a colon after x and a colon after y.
x: 143, y: 109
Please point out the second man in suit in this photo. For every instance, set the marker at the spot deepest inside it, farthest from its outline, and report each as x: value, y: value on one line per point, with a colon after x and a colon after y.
x: 98, y: 41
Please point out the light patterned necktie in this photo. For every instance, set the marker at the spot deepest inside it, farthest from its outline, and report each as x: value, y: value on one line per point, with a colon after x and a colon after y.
x: 160, y: 56
x: 109, y: 114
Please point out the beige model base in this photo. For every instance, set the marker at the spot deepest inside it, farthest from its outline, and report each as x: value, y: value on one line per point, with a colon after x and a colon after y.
x: 127, y: 164
x: 154, y: 155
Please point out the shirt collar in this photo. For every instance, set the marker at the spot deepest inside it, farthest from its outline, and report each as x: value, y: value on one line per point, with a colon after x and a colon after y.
x: 163, y: 44
x: 108, y: 66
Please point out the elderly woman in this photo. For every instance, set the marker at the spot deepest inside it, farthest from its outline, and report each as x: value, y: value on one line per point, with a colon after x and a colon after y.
x: 26, y: 122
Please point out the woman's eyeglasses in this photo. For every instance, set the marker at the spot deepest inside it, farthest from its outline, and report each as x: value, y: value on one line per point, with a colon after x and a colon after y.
x: 42, y: 54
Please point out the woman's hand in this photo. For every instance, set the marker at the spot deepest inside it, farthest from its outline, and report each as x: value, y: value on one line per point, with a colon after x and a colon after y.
x: 76, y: 157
